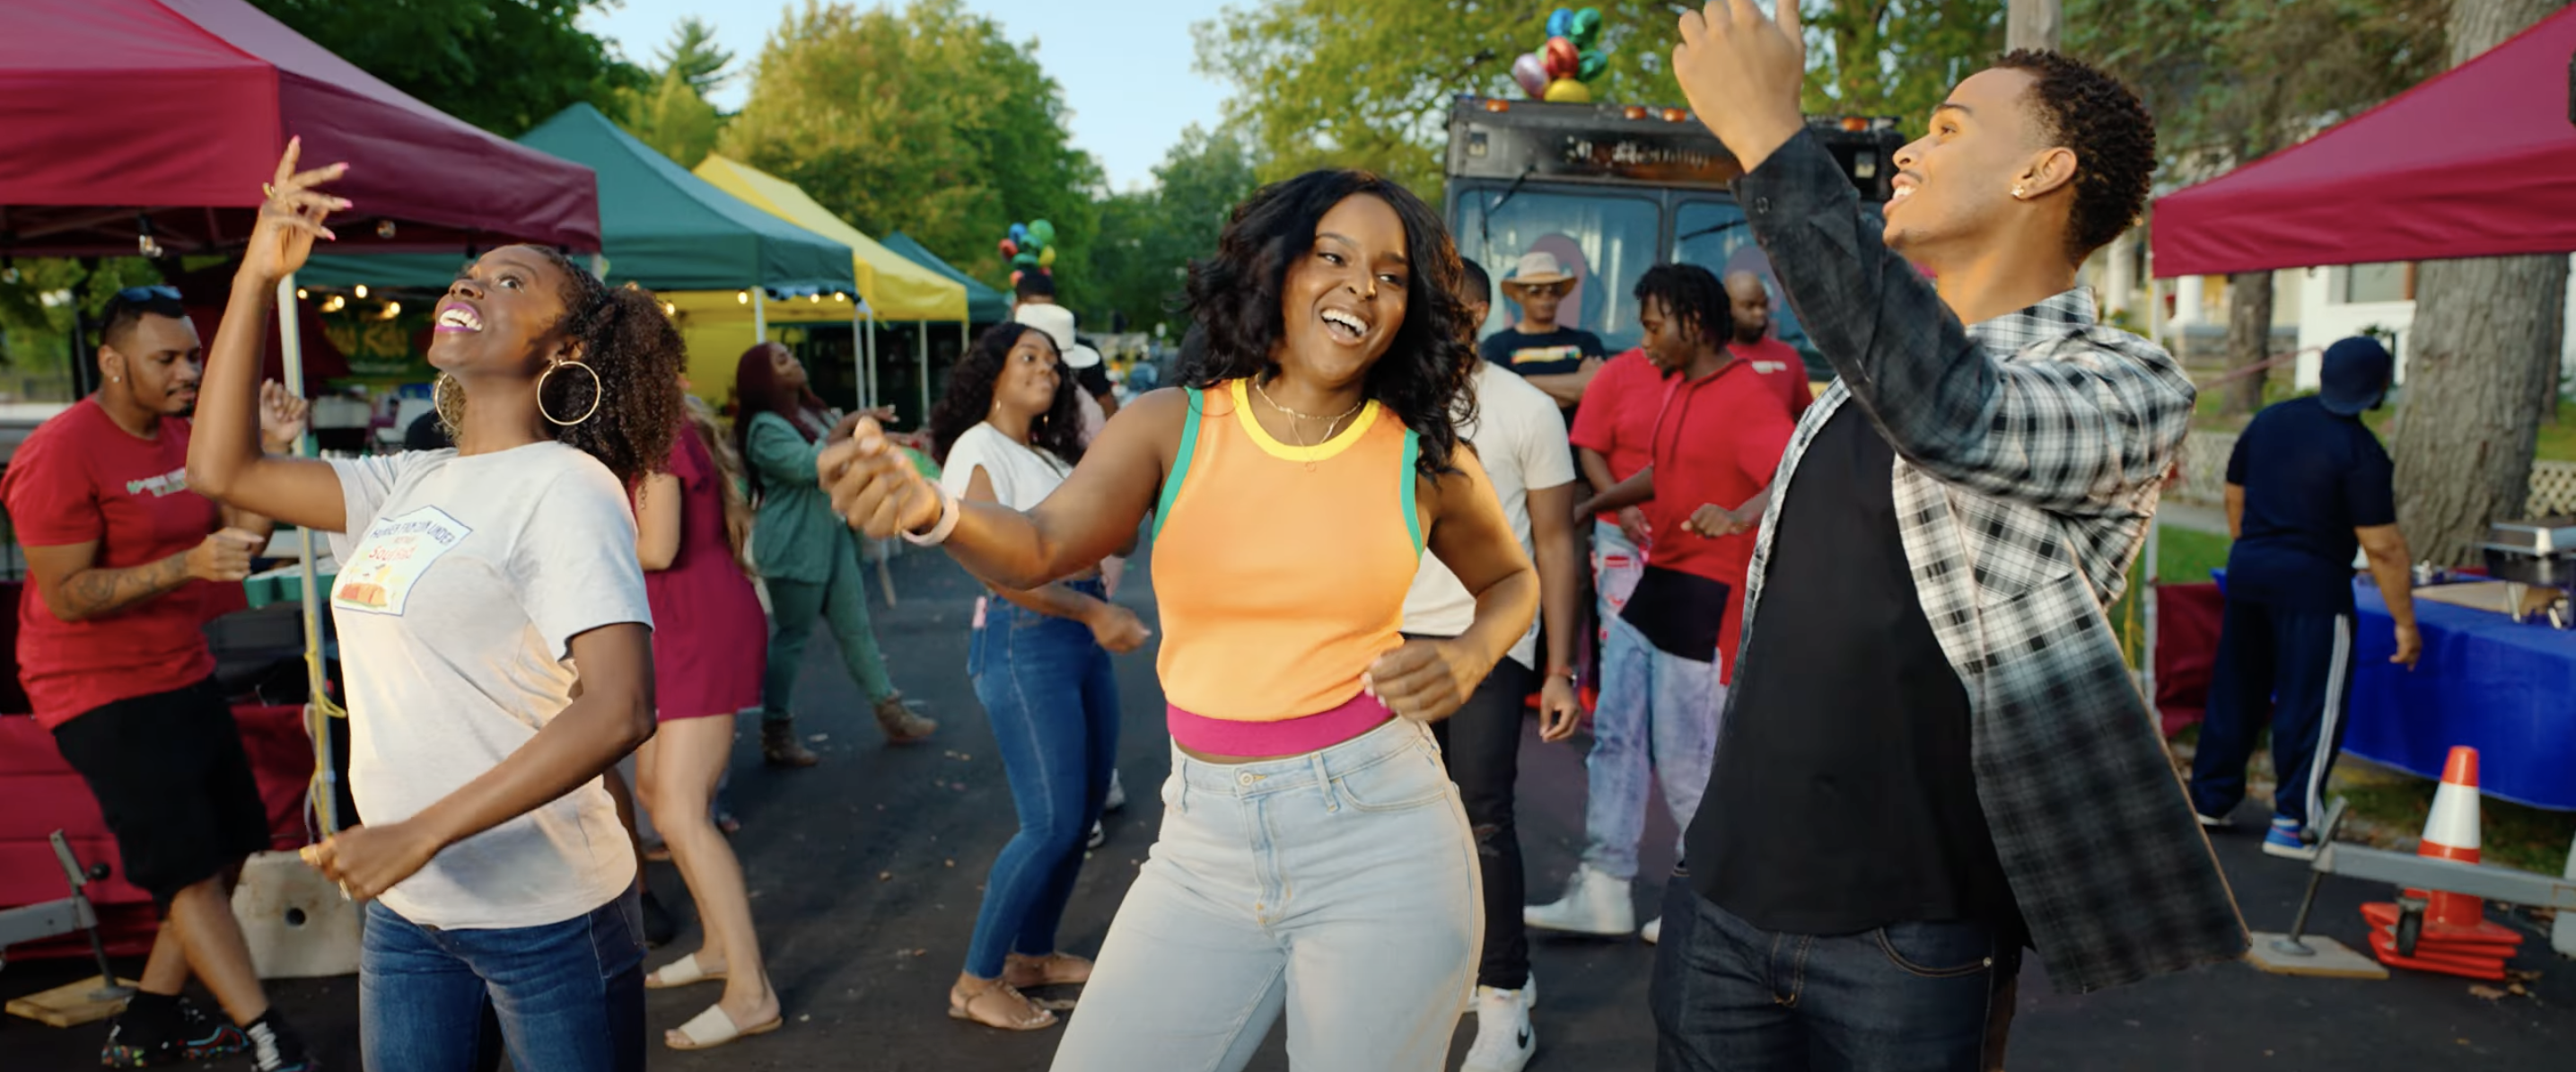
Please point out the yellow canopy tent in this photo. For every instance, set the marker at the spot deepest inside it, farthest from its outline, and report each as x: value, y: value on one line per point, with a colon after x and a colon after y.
x: 892, y: 286
x: 719, y: 325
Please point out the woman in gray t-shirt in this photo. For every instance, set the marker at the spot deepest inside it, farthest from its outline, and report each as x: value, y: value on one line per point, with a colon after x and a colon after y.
x: 497, y: 641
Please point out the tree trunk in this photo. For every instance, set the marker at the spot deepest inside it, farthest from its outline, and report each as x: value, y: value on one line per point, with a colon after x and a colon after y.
x: 2552, y: 353
x: 2032, y: 24
x: 2468, y: 427
x: 2249, y: 341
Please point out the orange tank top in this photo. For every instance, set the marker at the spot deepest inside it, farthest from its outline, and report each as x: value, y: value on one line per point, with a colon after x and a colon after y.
x: 1280, y: 571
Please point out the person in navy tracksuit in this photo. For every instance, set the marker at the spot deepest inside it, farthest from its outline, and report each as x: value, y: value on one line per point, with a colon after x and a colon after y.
x: 2307, y: 486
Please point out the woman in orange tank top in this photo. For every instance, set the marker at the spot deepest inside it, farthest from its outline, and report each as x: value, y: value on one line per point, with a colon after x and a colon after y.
x: 1313, y: 859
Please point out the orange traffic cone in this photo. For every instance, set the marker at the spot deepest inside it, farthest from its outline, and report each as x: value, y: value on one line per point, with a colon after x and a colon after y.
x: 2455, y: 937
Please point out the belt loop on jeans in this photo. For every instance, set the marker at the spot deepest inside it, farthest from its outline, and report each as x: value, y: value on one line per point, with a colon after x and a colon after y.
x: 1324, y: 782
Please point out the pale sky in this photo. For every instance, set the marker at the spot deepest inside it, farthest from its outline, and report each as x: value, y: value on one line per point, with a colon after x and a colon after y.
x: 1126, y: 75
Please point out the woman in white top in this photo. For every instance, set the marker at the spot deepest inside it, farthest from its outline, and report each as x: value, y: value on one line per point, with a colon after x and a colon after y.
x: 1007, y: 432
x: 497, y: 638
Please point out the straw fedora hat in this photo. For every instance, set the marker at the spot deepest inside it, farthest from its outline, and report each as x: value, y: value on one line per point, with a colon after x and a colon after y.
x: 1537, y: 269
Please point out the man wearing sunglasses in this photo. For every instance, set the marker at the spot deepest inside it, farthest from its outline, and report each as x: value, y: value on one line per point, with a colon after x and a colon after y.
x: 1554, y: 358
x: 127, y: 566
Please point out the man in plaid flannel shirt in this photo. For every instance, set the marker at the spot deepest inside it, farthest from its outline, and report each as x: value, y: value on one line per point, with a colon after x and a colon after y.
x: 1934, y: 751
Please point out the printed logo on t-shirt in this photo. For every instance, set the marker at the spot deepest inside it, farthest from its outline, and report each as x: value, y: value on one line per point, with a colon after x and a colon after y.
x: 396, y: 552
x: 1532, y: 355
x: 1770, y: 368
x: 169, y: 483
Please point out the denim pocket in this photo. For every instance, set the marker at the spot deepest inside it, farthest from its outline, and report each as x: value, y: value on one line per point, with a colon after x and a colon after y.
x: 617, y: 933
x: 1938, y: 950
x: 1408, y: 779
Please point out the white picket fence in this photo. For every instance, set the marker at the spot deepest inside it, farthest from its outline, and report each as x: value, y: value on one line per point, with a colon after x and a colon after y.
x: 2204, y: 467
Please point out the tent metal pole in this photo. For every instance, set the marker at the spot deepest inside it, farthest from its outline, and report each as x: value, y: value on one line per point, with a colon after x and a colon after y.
x: 859, y: 359
x: 759, y: 317
x: 290, y: 345
x: 922, y: 331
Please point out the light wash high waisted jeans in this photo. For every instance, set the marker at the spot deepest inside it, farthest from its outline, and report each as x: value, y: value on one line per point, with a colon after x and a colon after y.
x: 1339, y: 886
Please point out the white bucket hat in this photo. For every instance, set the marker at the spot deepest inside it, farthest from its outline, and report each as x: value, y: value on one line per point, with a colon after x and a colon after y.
x: 1057, y: 322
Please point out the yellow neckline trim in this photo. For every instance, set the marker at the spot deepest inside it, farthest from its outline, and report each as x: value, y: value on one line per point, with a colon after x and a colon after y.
x: 1262, y: 438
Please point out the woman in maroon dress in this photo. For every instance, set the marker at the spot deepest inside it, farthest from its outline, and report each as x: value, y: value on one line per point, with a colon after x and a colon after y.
x: 709, y: 648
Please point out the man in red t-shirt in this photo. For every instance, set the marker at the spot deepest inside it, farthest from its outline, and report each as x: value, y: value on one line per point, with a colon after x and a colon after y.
x: 113, y: 654
x: 1778, y: 363
x: 1716, y: 437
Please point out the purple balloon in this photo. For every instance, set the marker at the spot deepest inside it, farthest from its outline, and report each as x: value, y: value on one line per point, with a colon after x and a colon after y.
x: 1531, y: 72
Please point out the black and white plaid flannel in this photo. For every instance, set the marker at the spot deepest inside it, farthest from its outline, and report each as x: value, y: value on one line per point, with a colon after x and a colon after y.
x: 2030, y: 449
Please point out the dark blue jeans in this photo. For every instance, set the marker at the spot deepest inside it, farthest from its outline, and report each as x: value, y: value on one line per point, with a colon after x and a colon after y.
x: 1048, y: 689
x: 570, y: 995
x: 1913, y: 997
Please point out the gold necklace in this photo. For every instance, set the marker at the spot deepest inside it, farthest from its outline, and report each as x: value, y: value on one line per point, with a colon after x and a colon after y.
x: 1296, y: 421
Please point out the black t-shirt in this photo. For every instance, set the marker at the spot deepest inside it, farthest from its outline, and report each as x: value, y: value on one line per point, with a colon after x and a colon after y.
x: 1843, y: 798
x: 1553, y: 353
x: 2310, y: 477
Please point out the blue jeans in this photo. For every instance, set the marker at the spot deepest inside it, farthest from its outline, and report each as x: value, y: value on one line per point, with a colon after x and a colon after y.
x: 1910, y: 997
x: 570, y: 995
x: 1046, y: 685
x: 1657, y: 715
x: 1338, y: 887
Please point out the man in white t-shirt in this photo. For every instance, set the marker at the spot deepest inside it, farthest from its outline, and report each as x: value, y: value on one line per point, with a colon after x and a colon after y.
x: 1520, y: 439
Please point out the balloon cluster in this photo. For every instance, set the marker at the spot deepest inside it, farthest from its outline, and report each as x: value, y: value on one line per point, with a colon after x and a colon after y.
x: 1030, y: 248
x: 1559, y: 69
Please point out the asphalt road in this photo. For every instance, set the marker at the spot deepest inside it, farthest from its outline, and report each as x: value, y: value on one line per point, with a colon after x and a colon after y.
x: 866, y: 871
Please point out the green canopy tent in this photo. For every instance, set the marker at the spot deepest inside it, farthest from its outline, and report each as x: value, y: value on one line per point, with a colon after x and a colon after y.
x: 660, y: 227
x: 984, y: 305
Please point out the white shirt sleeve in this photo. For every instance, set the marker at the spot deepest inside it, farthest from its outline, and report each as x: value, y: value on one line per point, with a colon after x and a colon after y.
x: 574, y: 561
x: 972, y: 450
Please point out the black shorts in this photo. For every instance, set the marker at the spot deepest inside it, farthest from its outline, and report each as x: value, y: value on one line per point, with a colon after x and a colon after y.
x: 170, y: 775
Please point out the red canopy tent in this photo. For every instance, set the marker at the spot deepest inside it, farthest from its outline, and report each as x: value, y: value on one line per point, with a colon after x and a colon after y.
x: 2475, y: 162
x: 176, y: 110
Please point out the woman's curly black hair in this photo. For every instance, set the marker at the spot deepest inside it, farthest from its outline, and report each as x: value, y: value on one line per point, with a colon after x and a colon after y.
x: 1424, y: 376
x: 1692, y: 295
x: 2113, y: 137
x: 638, y: 355
x: 969, y: 398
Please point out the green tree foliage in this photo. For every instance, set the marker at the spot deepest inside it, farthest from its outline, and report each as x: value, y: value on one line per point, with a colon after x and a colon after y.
x: 1367, y: 83
x: 672, y: 113
x: 1148, y: 238
x: 926, y: 120
x: 1876, y: 57
x: 2230, y: 81
x: 503, y: 65
x: 693, y: 56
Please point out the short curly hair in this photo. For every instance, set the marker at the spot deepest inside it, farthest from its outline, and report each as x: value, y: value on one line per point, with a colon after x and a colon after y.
x: 2109, y: 130
x: 636, y: 354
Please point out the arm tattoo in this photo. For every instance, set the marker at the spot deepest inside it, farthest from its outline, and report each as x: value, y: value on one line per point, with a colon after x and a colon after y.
x: 97, y: 593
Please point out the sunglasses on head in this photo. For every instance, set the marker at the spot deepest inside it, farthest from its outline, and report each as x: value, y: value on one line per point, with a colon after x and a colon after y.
x: 138, y: 295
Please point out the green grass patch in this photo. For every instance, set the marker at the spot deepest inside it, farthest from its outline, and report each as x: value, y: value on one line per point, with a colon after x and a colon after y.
x: 2184, y: 556
x: 2557, y: 441
x: 2513, y: 835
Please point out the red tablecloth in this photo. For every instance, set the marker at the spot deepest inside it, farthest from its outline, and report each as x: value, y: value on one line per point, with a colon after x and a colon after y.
x: 40, y: 794
x: 2187, y: 617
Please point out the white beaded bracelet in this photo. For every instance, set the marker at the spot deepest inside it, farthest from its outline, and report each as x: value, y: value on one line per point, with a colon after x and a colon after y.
x: 949, y: 511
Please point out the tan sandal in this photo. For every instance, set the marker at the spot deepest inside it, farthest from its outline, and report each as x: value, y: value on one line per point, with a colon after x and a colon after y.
x: 1053, y: 969
x: 975, y: 1006
x: 682, y: 972
x: 714, y: 1027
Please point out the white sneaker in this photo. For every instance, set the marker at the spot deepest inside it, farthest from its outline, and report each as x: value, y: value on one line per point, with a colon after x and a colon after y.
x: 1653, y: 931
x: 1504, y: 1040
x: 1117, y: 797
x: 1594, y: 903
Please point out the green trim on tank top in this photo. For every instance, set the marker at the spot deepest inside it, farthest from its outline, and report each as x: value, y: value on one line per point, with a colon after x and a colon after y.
x: 1412, y: 486
x: 1180, y: 461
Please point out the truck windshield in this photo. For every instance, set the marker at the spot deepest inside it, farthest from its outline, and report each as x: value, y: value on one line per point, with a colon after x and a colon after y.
x: 1714, y: 235
x: 1605, y: 240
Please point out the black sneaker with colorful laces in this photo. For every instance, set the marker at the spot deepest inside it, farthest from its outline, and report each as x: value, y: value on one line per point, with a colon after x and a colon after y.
x: 189, y: 1035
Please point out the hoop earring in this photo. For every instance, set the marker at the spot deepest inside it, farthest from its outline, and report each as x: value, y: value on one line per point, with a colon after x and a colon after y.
x: 597, y: 390
x: 448, y: 398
